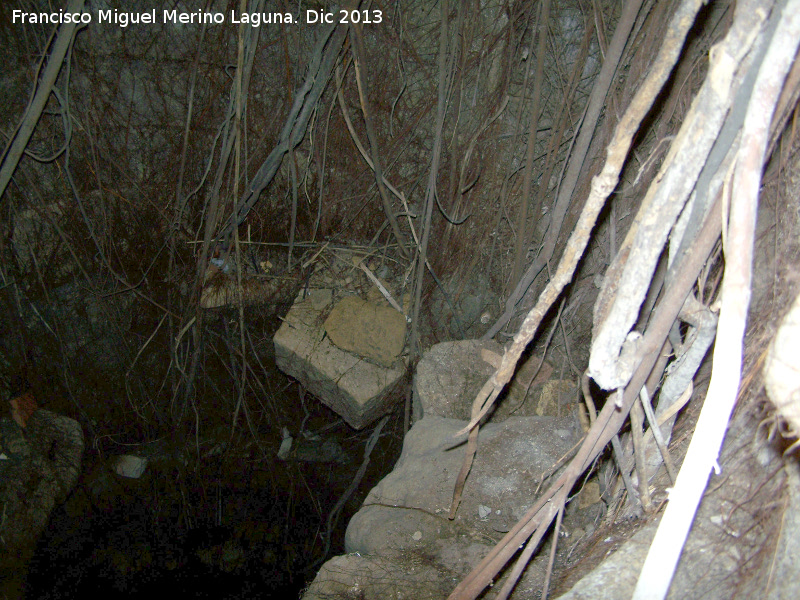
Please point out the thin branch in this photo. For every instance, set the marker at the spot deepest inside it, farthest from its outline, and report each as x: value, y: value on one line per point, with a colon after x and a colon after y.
x: 576, y: 162
x: 12, y: 155
x: 357, y: 46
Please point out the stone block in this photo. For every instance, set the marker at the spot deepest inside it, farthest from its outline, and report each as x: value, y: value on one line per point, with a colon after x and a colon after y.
x: 356, y: 389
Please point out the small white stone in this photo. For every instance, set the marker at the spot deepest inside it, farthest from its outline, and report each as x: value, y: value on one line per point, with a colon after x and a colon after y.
x: 417, y: 536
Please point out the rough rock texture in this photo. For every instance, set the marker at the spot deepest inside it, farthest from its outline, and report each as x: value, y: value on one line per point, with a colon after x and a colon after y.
x: 554, y: 395
x: 450, y: 375
x: 740, y: 546
x: 378, y: 333
x: 402, y: 530
x: 616, y: 576
x: 37, y: 469
x: 743, y: 542
x: 376, y: 578
x: 358, y: 390
x: 782, y: 369
x: 787, y: 552
x: 402, y: 543
x: 511, y: 457
x: 416, y: 495
x: 704, y: 568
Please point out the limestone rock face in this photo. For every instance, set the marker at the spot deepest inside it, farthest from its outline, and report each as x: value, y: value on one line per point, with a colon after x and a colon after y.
x: 416, y: 495
x: 402, y: 530
x: 406, y: 513
x: 450, y: 375
x: 376, y: 578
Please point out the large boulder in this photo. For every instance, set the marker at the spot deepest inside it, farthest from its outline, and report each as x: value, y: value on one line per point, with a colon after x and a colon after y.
x: 39, y: 466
